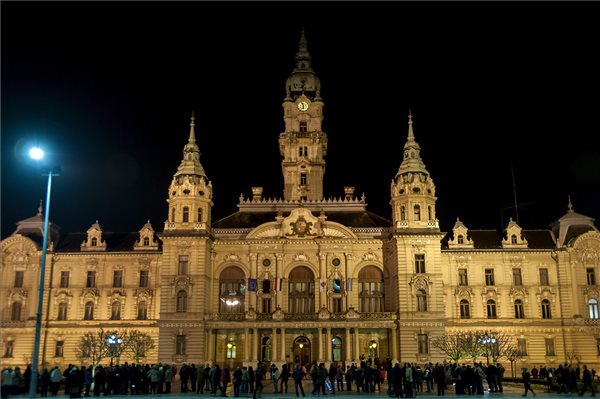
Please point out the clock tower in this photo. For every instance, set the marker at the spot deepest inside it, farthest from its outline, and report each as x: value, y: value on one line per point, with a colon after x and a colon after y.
x: 303, y: 144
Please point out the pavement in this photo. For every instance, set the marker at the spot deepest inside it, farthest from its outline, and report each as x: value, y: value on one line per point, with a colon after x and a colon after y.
x: 511, y: 391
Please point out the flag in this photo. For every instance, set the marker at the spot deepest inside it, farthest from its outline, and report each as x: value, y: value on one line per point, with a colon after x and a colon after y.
x: 349, y: 284
x: 252, y: 284
x: 278, y: 284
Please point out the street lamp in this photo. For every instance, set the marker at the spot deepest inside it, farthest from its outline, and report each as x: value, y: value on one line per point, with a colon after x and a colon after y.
x: 488, y: 343
x: 113, y: 341
x: 38, y: 154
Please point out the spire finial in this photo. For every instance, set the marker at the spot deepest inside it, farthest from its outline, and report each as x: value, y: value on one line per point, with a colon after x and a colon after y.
x: 411, y: 135
x: 40, y: 208
x: 192, y: 138
x: 570, y: 206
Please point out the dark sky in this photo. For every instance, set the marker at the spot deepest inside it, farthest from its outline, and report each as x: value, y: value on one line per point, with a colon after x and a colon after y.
x: 110, y: 87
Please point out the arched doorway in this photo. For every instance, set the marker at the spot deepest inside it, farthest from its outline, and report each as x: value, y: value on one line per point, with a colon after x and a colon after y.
x: 302, y: 351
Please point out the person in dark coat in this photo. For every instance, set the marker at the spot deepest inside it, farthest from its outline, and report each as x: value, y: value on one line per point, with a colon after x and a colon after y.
x: 44, y: 382
x: 440, y: 378
x: 587, y: 381
x: 298, y: 376
x: 526, y: 381
x: 73, y: 380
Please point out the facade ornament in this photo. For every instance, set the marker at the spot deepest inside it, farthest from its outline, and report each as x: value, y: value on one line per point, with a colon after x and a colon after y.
x: 234, y: 258
x: 300, y: 257
x: 324, y: 313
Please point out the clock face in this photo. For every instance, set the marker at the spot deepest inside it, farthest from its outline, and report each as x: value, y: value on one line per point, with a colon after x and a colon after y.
x: 302, y: 106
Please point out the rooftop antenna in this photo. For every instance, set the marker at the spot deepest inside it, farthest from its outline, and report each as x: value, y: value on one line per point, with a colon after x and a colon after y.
x: 512, y: 171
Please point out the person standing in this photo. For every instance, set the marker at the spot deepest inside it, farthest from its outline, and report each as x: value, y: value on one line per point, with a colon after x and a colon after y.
x: 298, y: 376
x: 527, y: 381
x: 258, y: 379
x: 284, y: 376
x: 587, y: 381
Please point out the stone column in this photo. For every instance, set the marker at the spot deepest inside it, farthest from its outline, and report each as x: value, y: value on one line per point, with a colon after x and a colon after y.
x: 348, y: 346
x: 253, y: 258
x: 210, y: 345
x: 356, y: 346
x: 279, y: 274
x: 395, y: 354
x: 320, y: 335
x: 348, y: 271
x: 255, y: 339
x: 329, y: 357
x: 274, y: 345
x: 247, y: 348
x: 283, y: 346
x: 322, y: 275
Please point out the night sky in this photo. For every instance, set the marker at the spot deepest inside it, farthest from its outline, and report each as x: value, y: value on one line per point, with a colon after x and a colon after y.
x: 495, y: 89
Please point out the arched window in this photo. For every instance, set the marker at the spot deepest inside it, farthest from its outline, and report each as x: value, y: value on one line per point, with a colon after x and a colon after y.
x: 513, y: 239
x: 146, y: 241
x: 491, y: 309
x: 115, y: 311
x: 231, y: 350
x: 142, y: 310
x: 336, y: 349
x: 593, y: 306
x: 94, y: 241
x: 15, y: 311
x: 402, y: 213
x: 172, y: 214
x: 232, y: 282
x: 546, y: 311
x: 465, y: 310
x: 430, y: 213
x: 181, y: 301
x: 301, y: 294
x: 186, y: 214
x: 372, y: 349
x: 62, y: 311
x: 519, y: 311
x: 199, y: 215
x: 460, y: 239
x: 421, y: 301
x: 417, y: 210
x: 265, y: 349
x: 370, y: 290
x: 88, y: 313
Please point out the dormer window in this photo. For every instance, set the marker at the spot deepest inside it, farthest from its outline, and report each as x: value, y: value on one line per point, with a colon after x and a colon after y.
x: 303, y: 127
x: 460, y: 239
x: 513, y: 239
x: 417, y: 210
x: 186, y: 214
x: 94, y: 242
x: 146, y: 241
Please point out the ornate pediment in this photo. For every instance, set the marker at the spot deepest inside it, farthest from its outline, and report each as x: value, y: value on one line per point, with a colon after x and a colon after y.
x: 420, y: 282
x: 518, y: 292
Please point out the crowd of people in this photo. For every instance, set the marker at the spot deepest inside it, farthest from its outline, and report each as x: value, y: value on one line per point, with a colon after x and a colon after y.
x: 367, y: 376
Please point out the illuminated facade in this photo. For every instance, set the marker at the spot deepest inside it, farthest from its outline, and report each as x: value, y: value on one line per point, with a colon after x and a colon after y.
x: 305, y: 278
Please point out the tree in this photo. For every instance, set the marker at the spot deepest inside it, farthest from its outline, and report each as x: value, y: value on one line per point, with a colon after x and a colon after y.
x: 93, y: 347
x: 513, y: 355
x: 452, y: 344
x: 137, y: 344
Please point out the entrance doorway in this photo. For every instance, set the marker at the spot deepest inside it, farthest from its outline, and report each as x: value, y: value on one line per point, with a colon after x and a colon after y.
x: 302, y: 351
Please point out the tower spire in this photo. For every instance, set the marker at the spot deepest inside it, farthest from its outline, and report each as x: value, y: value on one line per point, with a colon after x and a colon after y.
x: 411, y: 134
x: 190, y: 164
x: 411, y: 161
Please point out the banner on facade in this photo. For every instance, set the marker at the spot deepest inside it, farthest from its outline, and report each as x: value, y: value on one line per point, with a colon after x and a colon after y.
x: 252, y: 284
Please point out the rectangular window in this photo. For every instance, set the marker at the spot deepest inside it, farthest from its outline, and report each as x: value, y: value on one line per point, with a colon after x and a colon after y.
x: 90, y: 281
x: 303, y: 179
x: 180, y: 345
x: 266, y: 305
x: 462, y: 277
x: 419, y: 263
x: 19, y: 279
x: 517, y: 277
x: 8, y: 348
x: 423, y: 344
x: 522, y: 346
x: 231, y: 350
x: 143, y: 278
x: 64, y: 279
x: 591, y: 276
x: 489, y: 276
x: 182, y: 266
x: 59, y: 348
x: 550, y: 347
x: 544, y: 276
x: 118, y: 279
x: 337, y: 305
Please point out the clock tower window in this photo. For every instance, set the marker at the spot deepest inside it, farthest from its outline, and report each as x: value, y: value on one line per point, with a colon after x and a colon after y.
x: 199, y: 215
x: 303, y: 179
x: 303, y: 127
x: 417, y: 210
x: 186, y: 214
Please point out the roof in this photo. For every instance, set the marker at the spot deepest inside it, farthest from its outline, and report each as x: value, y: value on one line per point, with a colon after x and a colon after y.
x: 492, y: 239
x: 115, y: 242
x: 255, y: 219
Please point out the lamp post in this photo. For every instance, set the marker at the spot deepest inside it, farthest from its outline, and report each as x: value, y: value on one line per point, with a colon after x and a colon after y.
x: 37, y: 154
x: 113, y: 341
x: 488, y: 343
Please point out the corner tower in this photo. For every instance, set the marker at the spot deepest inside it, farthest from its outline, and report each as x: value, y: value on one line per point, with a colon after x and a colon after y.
x: 412, y: 190
x: 303, y: 145
x: 190, y: 192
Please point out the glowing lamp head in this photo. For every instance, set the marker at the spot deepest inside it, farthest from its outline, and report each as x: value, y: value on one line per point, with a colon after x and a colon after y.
x: 36, y: 153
